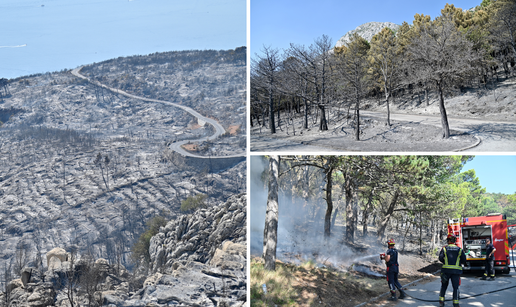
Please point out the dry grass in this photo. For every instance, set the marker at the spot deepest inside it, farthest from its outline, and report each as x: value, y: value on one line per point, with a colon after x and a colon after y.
x: 308, y: 285
x: 233, y: 130
x: 190, y: 147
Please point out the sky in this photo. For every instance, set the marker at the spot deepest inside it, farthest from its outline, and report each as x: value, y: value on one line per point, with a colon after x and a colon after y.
x: 497, y: 173
x: 276, y: 24
x: 51, y: 35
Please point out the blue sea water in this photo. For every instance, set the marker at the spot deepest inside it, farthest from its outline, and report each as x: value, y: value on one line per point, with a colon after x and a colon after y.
x: 51, y: 35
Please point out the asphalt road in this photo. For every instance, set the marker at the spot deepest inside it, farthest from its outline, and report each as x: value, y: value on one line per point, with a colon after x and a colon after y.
x: 219, y: 130
x: 471, y: 284
x: 496, y: 136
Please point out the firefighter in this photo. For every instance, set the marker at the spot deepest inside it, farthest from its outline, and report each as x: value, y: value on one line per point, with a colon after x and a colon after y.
x: 452, y: 258
x: 490, y: 250
x: 391, y: 260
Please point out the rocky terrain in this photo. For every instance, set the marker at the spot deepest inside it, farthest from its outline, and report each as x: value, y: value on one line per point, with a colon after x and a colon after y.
x: 197, y: 260
x: 366, y: 31
x: 86, y: 167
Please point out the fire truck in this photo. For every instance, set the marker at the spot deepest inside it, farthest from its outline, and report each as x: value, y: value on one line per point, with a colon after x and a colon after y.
x: 472, y: 232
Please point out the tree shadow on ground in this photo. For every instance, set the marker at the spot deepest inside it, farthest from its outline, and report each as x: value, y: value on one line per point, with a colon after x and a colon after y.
x: 431, y: 268
x: 502, y: 131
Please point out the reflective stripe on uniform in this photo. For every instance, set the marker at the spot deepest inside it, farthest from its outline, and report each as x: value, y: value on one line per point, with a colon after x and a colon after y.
x: 441, y: 298
x: 450, y: 266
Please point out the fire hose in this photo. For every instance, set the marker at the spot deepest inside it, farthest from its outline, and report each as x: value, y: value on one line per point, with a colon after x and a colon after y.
x: 460, y: 297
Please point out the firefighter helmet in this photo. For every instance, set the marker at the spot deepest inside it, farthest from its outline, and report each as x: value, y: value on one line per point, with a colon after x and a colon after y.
x: 390, y: 242
x: 451, y: 238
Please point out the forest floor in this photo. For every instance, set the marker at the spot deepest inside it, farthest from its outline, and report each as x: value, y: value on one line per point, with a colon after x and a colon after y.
x: 349, y: 281
x: 493, y: 110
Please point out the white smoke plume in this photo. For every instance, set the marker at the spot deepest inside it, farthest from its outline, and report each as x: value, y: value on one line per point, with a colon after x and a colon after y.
x: 300, y: 226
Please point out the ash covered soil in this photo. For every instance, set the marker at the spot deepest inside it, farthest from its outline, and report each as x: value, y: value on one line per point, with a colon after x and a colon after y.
x: 81, y: 165
x: 375, y: 136
x: 494, y: 103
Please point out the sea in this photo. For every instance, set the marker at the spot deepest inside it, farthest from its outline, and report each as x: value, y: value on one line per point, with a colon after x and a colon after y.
x: 39, y: 36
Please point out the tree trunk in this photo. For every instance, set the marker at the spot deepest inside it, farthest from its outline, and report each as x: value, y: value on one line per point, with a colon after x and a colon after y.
x: 427, y: 98
x: 270, y: 232
x: 334, y: 218
x: 355, y: 209
x: 388, y: 214
x: 407, y: 228
x: 329, y: 203
x: 264, y: 112
x: 350, y: 219
x: 305, y: 124
x: 420, y: 234
x: 272, y: 126
x: 442, y: 109
x: 278, y: 110
x: 387, y: 96
x: 434, y: 235
x: 323, y: 124
x: 357, y: 128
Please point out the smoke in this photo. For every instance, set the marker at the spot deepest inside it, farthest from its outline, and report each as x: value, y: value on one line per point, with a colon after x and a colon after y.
x: 300, y: 225
x: 258, y: 202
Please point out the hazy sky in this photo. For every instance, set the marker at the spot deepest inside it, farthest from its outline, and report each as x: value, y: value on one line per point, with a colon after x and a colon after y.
x: 496, y: 173
x: 50, y: 35
x: 279, y: 23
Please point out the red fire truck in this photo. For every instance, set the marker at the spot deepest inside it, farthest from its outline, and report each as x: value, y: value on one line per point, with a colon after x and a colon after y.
x: 472, y: 232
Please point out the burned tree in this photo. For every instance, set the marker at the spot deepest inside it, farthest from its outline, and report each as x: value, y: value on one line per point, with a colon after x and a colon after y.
x: 265, y: 71
x: 353, y: 68
x: 313, y: 66
x: 270, y: 232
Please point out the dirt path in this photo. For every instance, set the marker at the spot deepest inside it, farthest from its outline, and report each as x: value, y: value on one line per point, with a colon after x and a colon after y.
x: 495, y: 136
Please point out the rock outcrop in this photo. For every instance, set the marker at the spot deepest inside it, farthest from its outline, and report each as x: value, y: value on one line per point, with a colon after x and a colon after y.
x: 196, y: 260
x: 366, y: 31
x: 57, y: 253
x: 196, y: 237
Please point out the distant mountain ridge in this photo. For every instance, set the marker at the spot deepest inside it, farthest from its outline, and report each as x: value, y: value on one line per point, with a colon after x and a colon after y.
x: 367, y: 31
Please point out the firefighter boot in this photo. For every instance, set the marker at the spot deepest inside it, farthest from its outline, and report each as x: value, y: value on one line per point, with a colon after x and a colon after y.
x: 484, y: 277
x: 393, y: 296
x: 402, y: 294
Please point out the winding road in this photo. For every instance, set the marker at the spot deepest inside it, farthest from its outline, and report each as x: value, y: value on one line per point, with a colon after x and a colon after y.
x: 176, y: 146
x: 495, y: 136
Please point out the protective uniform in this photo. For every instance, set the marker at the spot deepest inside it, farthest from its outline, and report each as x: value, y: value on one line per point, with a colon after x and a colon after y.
x: 489, y: 261
x: 393, y: 271
x: 452, y: 257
